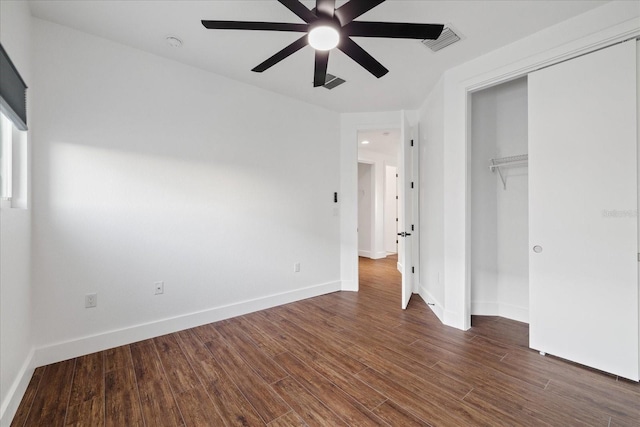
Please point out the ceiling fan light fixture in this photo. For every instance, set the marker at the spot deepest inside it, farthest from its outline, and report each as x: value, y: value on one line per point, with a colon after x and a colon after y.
x: 324, y: 37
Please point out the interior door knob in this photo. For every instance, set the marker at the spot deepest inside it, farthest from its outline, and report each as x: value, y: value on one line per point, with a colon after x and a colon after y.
x: 537, y: 249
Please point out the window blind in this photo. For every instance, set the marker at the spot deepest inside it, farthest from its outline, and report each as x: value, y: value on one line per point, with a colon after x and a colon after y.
x: 13, y: 92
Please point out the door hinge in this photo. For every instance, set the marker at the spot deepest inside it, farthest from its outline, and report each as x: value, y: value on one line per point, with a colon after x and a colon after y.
x: 638, y: 257
x: 396, y: 175
x: 396, y: 219
x: 412, y: 142
x: 411, y: 184
x: 396, y: 197
x: 413, y: 269
x: 412, y: 229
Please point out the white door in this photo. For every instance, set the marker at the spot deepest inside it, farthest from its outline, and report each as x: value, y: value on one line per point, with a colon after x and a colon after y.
x: 405, y: 210
x: 583, y: 201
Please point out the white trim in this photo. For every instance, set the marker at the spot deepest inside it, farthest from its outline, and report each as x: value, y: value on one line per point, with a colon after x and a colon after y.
x: 485, y: 308
x: 15, y: 393
x: 372, y: 255
x: 622, y: 32
x: 109, y: 339
x: 492, y: 308
x: 348, y: 286
x: 432, y: 303
x: 451, y: 318
x: 513, y: 312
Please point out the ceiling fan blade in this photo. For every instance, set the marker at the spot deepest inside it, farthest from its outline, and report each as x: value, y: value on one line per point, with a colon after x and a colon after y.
x: 358, y: 54
x: 393, y: 30
x: 354, y: 8
x: 325, y: 8
x: 264, y: 26
x: 320, y: 72
x: 292, y: 48
x: 299, y: 9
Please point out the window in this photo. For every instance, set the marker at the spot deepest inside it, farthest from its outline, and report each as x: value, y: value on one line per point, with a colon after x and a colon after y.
x: 13, y: 138
x: 13, y: 164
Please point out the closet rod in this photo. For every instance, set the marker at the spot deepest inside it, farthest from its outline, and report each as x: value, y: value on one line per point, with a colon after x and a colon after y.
x: 496, y: 164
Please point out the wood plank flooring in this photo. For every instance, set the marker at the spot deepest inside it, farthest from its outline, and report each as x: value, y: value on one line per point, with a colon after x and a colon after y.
x: 344, y: 359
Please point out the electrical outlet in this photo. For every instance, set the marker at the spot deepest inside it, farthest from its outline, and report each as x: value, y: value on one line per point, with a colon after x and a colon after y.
x: 296, y: 267
x: 159, y: 288
x: 90, y: 300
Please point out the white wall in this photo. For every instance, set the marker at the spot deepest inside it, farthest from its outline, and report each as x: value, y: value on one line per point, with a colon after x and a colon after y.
x: 366, y: 199
x: 484, y: 217
x: 148, y: 170
x: 391, y: 209
x: 431, y: 116
x: 16, y: 344
x: 499, y: 216
x: 513, y: 204
x: 599, y: 27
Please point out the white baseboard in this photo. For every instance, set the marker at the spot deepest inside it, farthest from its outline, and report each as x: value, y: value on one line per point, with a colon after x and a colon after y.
x: 508, y: 311
x: 483, y: 308
x: 14, y: 396
x: 102, y: 341
x: 433, y: 303
x: 372, y: 255
x: 521, y: 314
x: 455, y: 320
x: 349, y: 285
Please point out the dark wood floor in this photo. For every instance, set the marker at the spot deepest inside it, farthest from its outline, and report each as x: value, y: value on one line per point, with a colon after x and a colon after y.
x: 344, y: 359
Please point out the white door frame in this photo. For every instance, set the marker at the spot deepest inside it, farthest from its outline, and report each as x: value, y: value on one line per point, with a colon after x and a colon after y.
x: 351, y: 124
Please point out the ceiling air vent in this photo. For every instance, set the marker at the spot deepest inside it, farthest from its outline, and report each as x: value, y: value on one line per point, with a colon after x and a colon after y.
x: 447, y: 37
x: 332, y: 81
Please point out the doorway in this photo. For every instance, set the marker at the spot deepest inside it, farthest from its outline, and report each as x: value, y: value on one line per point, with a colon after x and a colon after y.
x: 499, y: 202
x: 378, y: 156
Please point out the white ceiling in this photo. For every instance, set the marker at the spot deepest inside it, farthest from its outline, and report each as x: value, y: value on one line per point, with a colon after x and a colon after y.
x: 383, y: 141
x: 414, y: 69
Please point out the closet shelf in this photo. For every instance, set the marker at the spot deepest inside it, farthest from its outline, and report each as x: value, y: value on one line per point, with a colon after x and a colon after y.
x: 504, y: 162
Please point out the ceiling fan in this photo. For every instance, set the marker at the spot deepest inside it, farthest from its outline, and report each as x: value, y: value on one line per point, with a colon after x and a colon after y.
x: 327, y: 27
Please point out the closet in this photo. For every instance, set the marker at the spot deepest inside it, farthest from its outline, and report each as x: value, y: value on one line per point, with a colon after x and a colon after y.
x: 575, y: 180
x: 499, y: 202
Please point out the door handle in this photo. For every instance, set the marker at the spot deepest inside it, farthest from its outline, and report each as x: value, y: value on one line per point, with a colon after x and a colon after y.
x: 537, y: 249
x: 403, y: 234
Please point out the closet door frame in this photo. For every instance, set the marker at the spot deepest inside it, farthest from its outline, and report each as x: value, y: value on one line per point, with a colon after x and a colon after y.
x: 457, y: 250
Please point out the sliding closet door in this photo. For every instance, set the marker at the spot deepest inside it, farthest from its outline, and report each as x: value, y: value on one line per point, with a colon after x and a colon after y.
x: 583, y: 201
